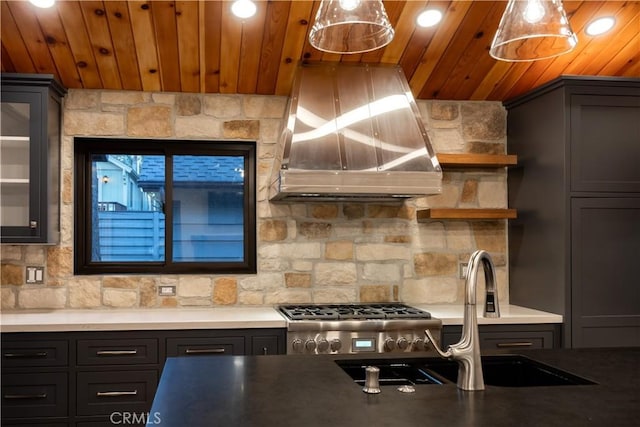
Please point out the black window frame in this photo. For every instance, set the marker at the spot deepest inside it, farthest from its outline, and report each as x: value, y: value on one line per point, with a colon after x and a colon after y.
x: 86, y: 147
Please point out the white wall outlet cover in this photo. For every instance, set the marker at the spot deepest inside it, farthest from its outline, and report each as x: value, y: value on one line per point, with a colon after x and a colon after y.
x: 166, y: 291
x: 462, y: 270
x: 34, y: 274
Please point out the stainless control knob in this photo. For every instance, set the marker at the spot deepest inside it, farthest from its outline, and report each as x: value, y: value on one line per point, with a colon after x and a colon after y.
x: 323, y: 345
x: 336, y: 345
x: 402, y: 343
x: 418, y: 344
x: 310, y: 345
x: 297, y: 345
x: 389, y: 344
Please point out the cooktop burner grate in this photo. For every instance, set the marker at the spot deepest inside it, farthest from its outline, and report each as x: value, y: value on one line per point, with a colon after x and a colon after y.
x: 352, y: 312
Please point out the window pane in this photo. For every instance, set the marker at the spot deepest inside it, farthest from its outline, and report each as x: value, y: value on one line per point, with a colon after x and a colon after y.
x: 127, y: 208
x: 208, y: 208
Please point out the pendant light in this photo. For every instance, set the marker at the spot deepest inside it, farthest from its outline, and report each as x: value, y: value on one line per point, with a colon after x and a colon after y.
x: 351, y: 26
x: 531, y: 30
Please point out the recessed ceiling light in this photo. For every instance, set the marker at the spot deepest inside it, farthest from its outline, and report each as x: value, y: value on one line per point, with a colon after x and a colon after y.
x: 42, y: 3
x: 600, y: 26
x: 429, y: 18
x: 243, y: 8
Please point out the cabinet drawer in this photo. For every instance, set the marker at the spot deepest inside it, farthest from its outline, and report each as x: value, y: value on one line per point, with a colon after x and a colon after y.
x: 31, y: 395
x: 117, y: 352
x: 16, y: 354
x: 515, y: 340
x: 102, y: 393
x: 508, y: 337
x: 207, y: 346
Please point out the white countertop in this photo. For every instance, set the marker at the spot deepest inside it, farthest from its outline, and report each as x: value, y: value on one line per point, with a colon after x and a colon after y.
x: 140, y: 319
x: 452, y: 314
x: 219, y: 318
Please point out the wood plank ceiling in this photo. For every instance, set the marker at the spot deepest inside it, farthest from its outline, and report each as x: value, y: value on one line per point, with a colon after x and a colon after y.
x: 199, y: 46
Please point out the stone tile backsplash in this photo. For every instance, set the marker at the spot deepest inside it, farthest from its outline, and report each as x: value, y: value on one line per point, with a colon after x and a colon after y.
x: 329, y: 252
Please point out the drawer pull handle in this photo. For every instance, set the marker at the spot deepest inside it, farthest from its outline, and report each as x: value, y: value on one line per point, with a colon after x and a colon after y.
x: 514, y: 344
x: 204, y: 350
x: 25, y: 396
x: 116, y: 393
x: 116, y: 352
x: 33, y: 355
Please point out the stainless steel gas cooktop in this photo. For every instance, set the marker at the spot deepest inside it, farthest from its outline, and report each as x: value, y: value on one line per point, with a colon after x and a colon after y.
x: 357, y: 328
x: 353, y: 311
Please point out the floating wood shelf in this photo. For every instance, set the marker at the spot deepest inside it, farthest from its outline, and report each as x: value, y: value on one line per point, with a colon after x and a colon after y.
x: 467, y: 160
x: 466, y: 214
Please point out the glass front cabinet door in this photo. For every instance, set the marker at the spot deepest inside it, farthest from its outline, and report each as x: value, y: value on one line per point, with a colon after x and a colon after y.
x: 30, y: 158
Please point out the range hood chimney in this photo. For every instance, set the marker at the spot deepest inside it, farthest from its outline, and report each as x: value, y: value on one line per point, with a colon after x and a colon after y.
x: 353, y: 132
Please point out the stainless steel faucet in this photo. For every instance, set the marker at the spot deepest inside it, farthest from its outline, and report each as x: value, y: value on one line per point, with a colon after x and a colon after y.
x: 467, y: 351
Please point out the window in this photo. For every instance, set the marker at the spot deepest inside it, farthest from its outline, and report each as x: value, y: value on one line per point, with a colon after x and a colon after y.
x: 134, y: 196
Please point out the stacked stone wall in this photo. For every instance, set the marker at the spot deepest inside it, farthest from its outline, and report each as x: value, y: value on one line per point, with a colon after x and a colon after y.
x: 329, y: 252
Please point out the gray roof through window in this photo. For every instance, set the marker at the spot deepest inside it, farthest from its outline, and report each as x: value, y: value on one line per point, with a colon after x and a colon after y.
x: 193, y: 169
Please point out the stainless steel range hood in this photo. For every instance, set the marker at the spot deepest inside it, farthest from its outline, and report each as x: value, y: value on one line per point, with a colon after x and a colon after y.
x: 353, y: 132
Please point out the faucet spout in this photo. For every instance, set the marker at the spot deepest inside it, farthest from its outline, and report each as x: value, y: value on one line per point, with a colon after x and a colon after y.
x: 467, y: 351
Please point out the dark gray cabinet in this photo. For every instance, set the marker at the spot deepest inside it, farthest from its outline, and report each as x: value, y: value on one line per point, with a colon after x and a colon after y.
x: 30, y: 158
x: 573, y: 247
x: 94, y: 378
x: 605, y: 246
x: 36, y: 379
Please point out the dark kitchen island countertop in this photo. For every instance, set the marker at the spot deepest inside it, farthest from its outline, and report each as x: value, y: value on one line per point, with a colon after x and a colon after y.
x: 302, y: 390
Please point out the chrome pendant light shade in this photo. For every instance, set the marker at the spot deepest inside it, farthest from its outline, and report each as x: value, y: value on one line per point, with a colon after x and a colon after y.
x: 531, y: 30
x: 351, y: 26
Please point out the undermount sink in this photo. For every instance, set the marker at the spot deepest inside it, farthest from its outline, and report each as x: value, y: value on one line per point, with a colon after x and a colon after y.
x: 391, y: 372
x: 511, y: 371
x: 500, y: 371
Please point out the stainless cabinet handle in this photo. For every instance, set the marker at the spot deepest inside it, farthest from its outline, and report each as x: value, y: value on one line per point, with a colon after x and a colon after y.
x: 25, y: 396
x: 514, y: 344
x: 26, y: 355
x: 116, y: 393
x: 116, y: 352
x: 33, y: 224
x: 204, y: 350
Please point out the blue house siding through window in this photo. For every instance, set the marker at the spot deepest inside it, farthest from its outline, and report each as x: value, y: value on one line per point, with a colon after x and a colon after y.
x: 208, y: 217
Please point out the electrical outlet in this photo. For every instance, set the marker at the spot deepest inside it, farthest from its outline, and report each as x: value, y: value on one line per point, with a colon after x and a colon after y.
x: 166, y: 291
x: 462, y: 270
x: 34, y: 275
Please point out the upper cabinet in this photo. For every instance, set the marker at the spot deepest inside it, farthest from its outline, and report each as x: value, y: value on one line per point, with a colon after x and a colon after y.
x: 604, y: 138
x: 30, y: 158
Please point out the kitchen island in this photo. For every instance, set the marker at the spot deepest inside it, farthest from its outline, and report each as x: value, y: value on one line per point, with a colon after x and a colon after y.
x: 314, y: 391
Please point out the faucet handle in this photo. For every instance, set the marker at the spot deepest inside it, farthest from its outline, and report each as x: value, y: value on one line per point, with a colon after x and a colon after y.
x: 444, y: 354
